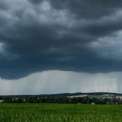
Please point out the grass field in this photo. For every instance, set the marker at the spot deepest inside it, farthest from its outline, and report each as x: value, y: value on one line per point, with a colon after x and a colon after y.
x: 60, y: 113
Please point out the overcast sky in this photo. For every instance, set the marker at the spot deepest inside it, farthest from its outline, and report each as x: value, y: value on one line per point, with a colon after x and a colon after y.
x: 49, y: 46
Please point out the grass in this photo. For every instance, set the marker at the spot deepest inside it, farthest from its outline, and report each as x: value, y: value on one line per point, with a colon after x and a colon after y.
x: 59, y: 113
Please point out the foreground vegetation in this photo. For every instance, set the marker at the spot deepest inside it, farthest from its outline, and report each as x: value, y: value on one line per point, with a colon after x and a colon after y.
x: 27, y: 112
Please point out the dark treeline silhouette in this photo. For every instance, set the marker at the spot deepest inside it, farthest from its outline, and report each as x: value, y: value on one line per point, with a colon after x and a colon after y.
x: 85, y: 98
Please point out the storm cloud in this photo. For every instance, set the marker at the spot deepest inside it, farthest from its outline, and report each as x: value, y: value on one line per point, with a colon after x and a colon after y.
x: 81, y: 36
x: 45, y: 34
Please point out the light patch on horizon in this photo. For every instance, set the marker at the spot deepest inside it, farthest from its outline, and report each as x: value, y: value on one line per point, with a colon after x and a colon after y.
x: 55, y: 81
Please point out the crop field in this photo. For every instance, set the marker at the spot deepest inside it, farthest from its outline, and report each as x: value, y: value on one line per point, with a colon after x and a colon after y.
x: 27, y: 112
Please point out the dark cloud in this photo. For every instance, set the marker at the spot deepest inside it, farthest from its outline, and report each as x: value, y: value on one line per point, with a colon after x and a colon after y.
x: 87, y: 8
x: 37, y: 35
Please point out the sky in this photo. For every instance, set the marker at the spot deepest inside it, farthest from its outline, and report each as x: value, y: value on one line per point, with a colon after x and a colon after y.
x: 49, y: 46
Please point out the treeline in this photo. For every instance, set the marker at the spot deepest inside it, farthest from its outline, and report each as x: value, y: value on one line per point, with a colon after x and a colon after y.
x: 61, y: 99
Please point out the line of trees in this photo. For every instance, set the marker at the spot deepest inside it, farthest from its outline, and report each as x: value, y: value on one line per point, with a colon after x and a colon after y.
x: 61, y: 99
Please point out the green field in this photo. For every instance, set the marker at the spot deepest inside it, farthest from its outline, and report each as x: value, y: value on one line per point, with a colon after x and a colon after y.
x: 60, y: 113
